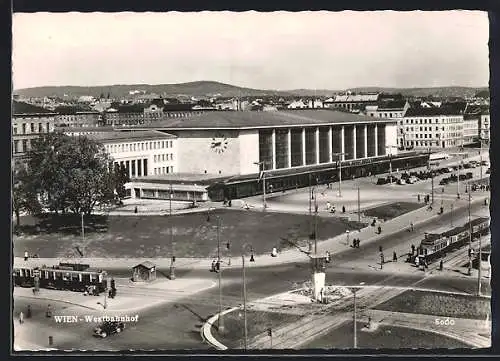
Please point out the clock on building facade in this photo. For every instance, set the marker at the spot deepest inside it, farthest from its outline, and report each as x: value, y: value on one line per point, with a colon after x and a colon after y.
x: 219, y: 143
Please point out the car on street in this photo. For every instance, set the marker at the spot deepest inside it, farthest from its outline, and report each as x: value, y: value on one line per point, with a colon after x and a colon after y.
x: 468, y: 175
x: 488, y: 171
x: 462, y: 177
x: 484, y: 163
x: 381, y: 181
x: 108, y: 328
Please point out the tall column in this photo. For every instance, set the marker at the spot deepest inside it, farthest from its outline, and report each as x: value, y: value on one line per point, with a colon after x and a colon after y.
x: 376, y: 140
x: 289, y: 141
x: 129, y: 168
x: 365, y: 137
x: 273, y: 142
x: 330, y: 150
x: 354, y: 143
x: 342, y: 143
x: 303, y: 146
x: 317, y: 144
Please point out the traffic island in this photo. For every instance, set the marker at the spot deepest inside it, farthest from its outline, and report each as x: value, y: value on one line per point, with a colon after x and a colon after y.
x: 392, y: 210
x: 439, y: 304
x: 382, y: 337
x: 258, y: 323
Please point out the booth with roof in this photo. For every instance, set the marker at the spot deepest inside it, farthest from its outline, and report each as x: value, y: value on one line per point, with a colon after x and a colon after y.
x: 144, y: 272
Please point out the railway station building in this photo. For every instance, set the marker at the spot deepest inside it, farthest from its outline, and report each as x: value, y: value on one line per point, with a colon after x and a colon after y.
x: 227, y: 151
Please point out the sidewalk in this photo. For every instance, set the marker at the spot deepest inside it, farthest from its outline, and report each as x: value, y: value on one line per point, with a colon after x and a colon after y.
x: 130, y: 297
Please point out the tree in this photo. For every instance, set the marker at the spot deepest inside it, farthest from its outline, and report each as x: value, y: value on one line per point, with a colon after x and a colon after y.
x: 71, y: 174
x: 24, y: 198
x: 120, y: 178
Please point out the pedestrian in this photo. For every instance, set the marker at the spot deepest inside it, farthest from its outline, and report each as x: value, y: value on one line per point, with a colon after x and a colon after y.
x: 417, y: 261
x: 442, y: 190
x: 274, y: 252
x: 418, y: 198
x: 394, y: 257
x: 49, y: 311
x: 411, y: 227
x: 441, y: 210
x: 328, y: 206
x: 441, y: 265
x: 213, y: 266
x: 379, y: 229
x: 357, y: 243
x: 135, y: 209
x: 343, y: 209
x: 316, y: 208
x: 21, y: 317
x: 26, y: 255
x: 412, y: 249
x: 380, y: 249
x: 229, y: 203
x: 28, y: 312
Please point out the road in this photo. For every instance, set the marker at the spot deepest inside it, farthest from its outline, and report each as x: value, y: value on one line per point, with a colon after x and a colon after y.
x: 176, y: 326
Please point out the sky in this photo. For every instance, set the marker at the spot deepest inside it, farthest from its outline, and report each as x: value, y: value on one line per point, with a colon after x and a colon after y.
x: 276, y: 50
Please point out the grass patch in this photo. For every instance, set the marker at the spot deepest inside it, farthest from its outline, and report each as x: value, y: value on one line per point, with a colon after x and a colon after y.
x: 257, y: 323
x: 439, y: 304
x: 384, y: 337
x: 392, y: 210
x: 149, y: 236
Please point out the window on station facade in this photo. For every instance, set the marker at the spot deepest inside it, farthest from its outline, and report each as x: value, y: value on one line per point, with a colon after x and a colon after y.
x: 266, y: 148
x: 381, y: 140
x: 336, y: 140
x: 296, y: 140
x: 310, y: 146
x: 282, y: 148
x: 324, y: 146
x: 370, y: 141
x: 360, y: 141
x: 348, y: 142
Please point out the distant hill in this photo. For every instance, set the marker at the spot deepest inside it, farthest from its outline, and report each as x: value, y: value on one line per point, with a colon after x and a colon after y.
x: 192, y: 89
x: 25, y: 108
x: 212, y: 88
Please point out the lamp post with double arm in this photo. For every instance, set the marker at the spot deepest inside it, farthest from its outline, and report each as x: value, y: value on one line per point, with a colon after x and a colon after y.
x: 390, y: 159
x: 262, y: 171
x: 339, y: 166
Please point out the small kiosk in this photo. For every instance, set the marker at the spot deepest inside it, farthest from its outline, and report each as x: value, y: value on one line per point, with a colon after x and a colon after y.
x: 144, y: 272
x: 318, y: 268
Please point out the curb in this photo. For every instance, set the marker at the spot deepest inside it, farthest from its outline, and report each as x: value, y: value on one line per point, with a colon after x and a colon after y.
x: 206, y: 330
x: 54, y: 300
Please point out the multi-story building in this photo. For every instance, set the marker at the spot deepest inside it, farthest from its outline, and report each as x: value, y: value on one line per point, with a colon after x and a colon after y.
x: 28, y: 123
x: 71, y: 117
x: 484, y: 125
x: 393, y: 109
x: 352, y: 101
x: 471, y: 129
x: 433, y: 127
x: 142, y: 153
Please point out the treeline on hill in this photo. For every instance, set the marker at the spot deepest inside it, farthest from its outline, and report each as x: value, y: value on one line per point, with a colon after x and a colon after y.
x: 66, y: 175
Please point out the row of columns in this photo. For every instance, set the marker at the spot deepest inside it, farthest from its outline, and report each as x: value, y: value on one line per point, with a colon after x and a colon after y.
x: 363, y: 129
x: 135, y: 167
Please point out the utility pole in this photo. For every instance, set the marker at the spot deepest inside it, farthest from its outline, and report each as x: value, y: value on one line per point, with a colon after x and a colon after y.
x: 479, y: 269
x: 220, y: 324
x: 432, y: 178
x: 359, y: 207
x: 315, y: 226
x: 83, y: 228
x: 470, y: 236
x: 451, y: 215
x: 481, y: 156
x: 172, y: 264
x: 244, y: 303
x: 263, y: 173
x: 355, y: 323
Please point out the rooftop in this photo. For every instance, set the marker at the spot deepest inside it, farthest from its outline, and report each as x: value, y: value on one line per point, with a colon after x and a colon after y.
x: 252, y: 119
x: 393, y: 104
x: 25, y: 108
x: 111, y: 136
x: 443, y: 110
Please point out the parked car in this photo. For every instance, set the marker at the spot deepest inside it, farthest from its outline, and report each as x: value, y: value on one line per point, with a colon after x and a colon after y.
x: 108, y: 328
x: 488, y: 171
x: 381, y: 181
x: 444, y: 181
x: 462, y: 177
x: 453, y: 178
x: 467, y: 166
x: 485, y: 163
x: 468, y: 175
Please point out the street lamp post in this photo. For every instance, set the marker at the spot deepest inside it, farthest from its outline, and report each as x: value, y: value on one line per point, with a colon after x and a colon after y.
x: 220, y: 322
x: 339, y: 162
x: 347, y: 237
x: 263, y: 164
x: 245, y: 326
x: 432, y: 177
x: 359, y: 207
x: 355, y: 341
x: 390, y: 159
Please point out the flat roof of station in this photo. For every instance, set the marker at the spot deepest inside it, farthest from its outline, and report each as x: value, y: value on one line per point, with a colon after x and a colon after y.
x: 260, y: 119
